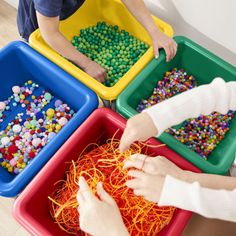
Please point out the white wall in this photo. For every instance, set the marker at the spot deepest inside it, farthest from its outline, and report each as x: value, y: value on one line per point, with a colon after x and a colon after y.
x: 14, y: 3
x: 211, y: 23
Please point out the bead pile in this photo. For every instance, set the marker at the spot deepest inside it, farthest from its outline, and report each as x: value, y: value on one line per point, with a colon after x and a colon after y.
x: 173, y: 83
x: 113, y: 49
x: 105, y: 163
x: 202, y: 134
x: 29, y: 119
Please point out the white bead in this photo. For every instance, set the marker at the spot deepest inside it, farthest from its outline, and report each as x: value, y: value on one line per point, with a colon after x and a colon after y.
x: 16, y: 128
x: 36, y: 142
x: 5, y: 141
x: 16, y: 89
x: 2, y: 106
x: 62, y: 121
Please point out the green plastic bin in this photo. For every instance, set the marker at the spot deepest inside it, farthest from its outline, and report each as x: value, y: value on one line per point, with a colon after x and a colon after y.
x: 205, y: 66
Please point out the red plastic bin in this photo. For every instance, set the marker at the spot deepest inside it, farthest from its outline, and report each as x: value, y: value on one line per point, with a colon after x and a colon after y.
x: 31, y: 208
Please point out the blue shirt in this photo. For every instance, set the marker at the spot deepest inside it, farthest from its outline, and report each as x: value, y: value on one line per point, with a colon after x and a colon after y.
x: 26, y: 18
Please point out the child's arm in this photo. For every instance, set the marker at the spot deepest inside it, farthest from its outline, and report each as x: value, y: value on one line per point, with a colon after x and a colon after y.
x: 216, y: 202
x: 159, y: 39
x: 217, y: 96
x: 49, y: 28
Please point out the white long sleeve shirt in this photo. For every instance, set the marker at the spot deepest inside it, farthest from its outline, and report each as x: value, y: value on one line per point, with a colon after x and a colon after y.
x: 218, y: 96
x: 211, y: 203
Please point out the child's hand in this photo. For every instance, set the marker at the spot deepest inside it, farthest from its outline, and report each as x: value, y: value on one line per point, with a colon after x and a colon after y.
x: 95, y: 71
x: 148, y: 181
x: 138, y: 128
x: 160, y: 40
x: 155, y: 166
x: 99, y: 217
x: 146, y: 185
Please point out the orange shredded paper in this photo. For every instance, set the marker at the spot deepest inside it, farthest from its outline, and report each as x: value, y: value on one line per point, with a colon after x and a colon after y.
x: 105, y: 163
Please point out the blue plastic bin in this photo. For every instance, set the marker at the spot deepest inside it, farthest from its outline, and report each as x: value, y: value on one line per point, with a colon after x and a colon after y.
x: 20, y: 63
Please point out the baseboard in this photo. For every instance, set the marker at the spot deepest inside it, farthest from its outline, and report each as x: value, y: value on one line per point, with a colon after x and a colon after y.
x: 13, y: 3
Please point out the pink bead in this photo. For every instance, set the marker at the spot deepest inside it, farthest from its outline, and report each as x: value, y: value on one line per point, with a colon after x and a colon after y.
x: 12, y: 162
x: 2, y: 106
x: 16, y: 89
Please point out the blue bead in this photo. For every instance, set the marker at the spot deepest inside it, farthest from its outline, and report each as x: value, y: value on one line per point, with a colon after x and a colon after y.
x: 43, y: 129
x: 39, y: 115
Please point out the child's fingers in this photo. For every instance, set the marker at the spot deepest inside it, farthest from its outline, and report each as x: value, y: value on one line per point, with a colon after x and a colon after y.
x: 138, y: 156
x: 136, y: 174
x: 84, y: 192
x: 138, y: 164
x: 126, y: 140
x: 168, y: 53
x: 104, y: 196
x: 133, y: 183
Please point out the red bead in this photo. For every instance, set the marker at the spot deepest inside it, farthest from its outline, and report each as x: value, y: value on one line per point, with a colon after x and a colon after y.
x: 16, y: 121
x: 31, y: 155
x: 16, y: 138
x: 12, y: 149
x: 8, y: 157
x: 2, y: 150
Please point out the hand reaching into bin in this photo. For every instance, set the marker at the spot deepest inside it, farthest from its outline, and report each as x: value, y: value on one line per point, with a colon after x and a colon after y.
x: 148, y: 178
x: 59, y: 43
x: 138, y: 128
x: 159, y: 39
x: 99, y: 217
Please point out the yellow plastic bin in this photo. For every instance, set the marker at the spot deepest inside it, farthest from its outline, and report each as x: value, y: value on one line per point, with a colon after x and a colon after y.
x: 92, y: 11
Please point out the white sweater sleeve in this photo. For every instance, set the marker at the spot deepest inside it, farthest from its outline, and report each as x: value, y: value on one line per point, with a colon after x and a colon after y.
x: 211, y: 203
x: 217, y: 96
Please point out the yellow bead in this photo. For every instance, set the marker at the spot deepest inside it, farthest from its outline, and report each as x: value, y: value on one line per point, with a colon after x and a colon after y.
x: 50, y: 112
x: 33, y: 97
x: 3, y: 164
x: 22, y: 96
x: 58, y: 127
x: 30, y: 82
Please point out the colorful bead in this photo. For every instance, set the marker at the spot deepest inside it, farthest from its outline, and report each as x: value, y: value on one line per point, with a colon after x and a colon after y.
x: 62, y: 121
x: 50, y: 113
x: 16, y: 89
x: 202, y: 134
x: 32, y: 128
x: 16, y: 128
x: 5, y: 141
x: 2, y: 106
